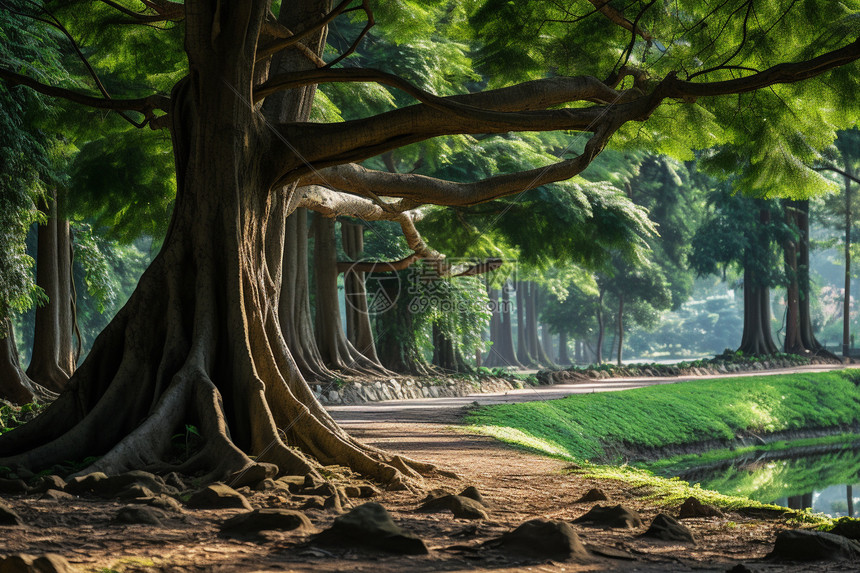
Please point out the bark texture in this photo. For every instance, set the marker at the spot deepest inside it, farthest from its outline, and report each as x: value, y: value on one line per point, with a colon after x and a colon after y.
x: 15, y: 386
x: 358, y: 328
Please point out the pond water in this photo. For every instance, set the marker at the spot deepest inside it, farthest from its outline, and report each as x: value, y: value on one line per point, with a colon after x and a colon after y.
x: 828, y: 483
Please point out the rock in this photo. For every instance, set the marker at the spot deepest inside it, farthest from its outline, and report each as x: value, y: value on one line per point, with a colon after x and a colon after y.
x: 847, y: 527
x: 593, y: 495
x: 8, y: 516
x: 218, y: 496
x: 461, y: 507
x: 311, y: 501
x: 23, y: 563
x: 13, y: 486
x: 472, y: 492
x: 668, y: 528
x: 252, y: 475
x: 135, y: 491
x: 692, y: 507
x: 740, y: 568
x: 371, y: 525
x: 113, y: 486
x: 175, y: 480
x: 293, y: 483
x: 266, y: 519
x: 134, y: 514
x: 48, y: 482
x: 160, y: 501
x: 56, y: 495
x: 311, y: 481
x: 611, y: 517
x: 805, y: 545
x: 543, y: 539
x: 85, y: 484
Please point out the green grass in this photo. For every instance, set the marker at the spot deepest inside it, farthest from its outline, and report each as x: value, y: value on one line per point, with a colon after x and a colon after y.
x: 607, y: 427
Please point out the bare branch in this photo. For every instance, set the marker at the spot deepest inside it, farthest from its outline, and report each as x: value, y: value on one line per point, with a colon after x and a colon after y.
x: 617, y: 17
x: 841, y: 172
x: 284, y: 38
x: 365, y: 5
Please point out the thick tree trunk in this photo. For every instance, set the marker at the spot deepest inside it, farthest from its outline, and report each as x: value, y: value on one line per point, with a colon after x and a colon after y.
x: 757, y: 338
x: 294, y: 308
x: 446, y: 355
x: 524, y: 356
x: 15, y: 386
x: 337, y: 352
x: 53, y: 359
x: 536, y: 349
x: 358, y: 329
x: 199, y: 340
x: 502, y: 354
x: 563, y: 356
x: 793, y: 343
x: 395, y: 343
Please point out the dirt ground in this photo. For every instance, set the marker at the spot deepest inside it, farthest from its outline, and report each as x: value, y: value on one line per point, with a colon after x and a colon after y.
x: 519, y: 485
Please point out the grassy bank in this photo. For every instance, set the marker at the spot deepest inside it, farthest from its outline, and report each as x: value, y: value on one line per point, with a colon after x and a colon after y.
x: 603, y: 427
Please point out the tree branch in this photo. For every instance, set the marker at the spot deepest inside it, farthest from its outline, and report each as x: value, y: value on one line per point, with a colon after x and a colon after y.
x: 617, y: 16
x: 146, y: 106
x: 841, y: 172
x: 284, y: 38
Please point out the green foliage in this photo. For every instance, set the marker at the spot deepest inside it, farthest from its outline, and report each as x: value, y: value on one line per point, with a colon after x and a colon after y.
x: 13, y: 416
x: 603, y: 426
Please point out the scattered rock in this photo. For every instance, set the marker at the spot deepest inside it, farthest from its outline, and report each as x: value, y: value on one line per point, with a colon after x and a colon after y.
x: 370, y: 525
x: 611, y: 552
x: 48, y: 482
x: 740, y: 568
x: 435, y: 494
x: 312, y: 502
x: 692, y: 507
x: 805, y: 545
x: 23, y: 563
x: 56, y: 495
x: 544, y: 539
x: 160, y: 501
x: 472, y: 492
x: 13, y: 486
x: 218, y: 496
x: 612, y: 517
x: 253, y: 475
x: 360, y: 491
x: 175, y: 480
x: 669, y: 529
x: 593, y: 495
x: 461, y: 507
x: 133, y: 514
x: 266, y: 519
x: 8, y: 516
x: 135, y: 491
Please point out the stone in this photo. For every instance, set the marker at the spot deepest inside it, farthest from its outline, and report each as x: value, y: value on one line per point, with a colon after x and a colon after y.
x: 45, y: 483
x: 113, y: 486
x: 592, y: 495
x: 740, y: 568
x: 847, y: 527
x: 175, y: 480
x: 544, y: 539
x: 23, y: 563
x: 333, y: 503
x: 311, y: 501
x: 56, y: 495
x: 135, y: 491
x: 252, y: 475
x: 610, y: 517
x: 370, y: 525
x: 692, y: 507
x: 218, y: 496
x: 160, y: 501
x: 13, y: 486
x: 137, y: 514
x: 461, y: 507
x: 668, y: 528
x: 8, y: 516
x: 264, y: 520
x: 472, y: 492
x: 805, y: 545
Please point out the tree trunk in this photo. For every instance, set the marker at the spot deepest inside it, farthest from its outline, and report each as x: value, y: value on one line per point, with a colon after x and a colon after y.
x: 358, y: 329
x: 807, y: 336
x: 502, y: 353
x: 15, y: 386
x: 536, y: 349
x: 337, y: 352
x: 199, y: 340
x: 757, y: 338
x: 524, y: 357
x: 598, y: 358
x: 53, y: 359
x: 620, y: 327
x: 294, y: 307
x: 395, y: 342
x: 846, y: 305
x: 793, y: 343
x: 563, y: 356
x: 578, y: 351
x: 446, y: 355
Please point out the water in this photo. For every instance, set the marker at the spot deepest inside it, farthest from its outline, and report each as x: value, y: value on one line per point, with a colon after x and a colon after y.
x: 828, y: 483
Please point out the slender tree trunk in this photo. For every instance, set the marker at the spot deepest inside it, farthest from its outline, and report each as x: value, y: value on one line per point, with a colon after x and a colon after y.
x: 807, y: 335
x: 793, y: 342
x: 53, y: 359
x: 849, y: 494
x: 578, y: 351
x: 620, y: 327
x: 536, y: 347
x: 15, y: 386
x: 598, y: 358
x: 359, y: 331
x: 846, y: 305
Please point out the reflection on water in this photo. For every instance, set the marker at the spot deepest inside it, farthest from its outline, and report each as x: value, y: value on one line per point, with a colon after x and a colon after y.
x: 828, y: 483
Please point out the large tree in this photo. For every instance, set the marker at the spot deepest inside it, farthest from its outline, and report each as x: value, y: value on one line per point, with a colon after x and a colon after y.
x: 200, y: 339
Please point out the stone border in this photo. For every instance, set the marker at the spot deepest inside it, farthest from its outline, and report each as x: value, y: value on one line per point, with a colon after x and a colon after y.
x: 360, y: 391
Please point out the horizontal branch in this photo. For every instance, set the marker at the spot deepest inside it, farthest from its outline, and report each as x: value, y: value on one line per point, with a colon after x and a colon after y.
x: 617, y: 17
x: 378, y: 266
x: 146, y: 105
x: 841, y: 172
